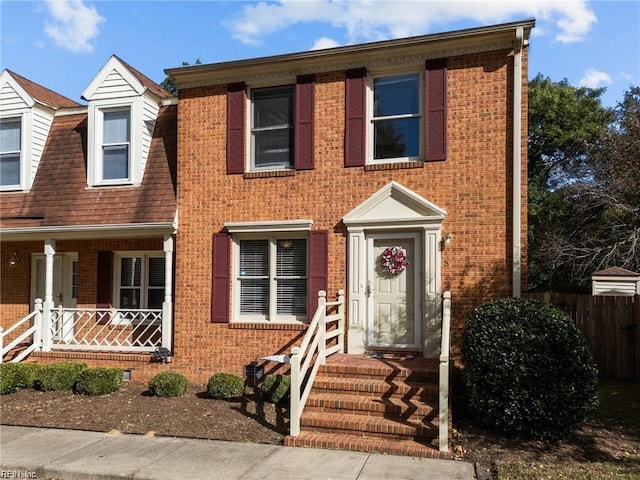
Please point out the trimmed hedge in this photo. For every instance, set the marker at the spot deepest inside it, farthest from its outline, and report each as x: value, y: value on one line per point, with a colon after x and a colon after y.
x: 99, y: 381
x: 15, y: 376
x: 276, y: 388
x: 168, y: 384
x: 225, y: 386
x: 528, y: 371
x: 58, y: 376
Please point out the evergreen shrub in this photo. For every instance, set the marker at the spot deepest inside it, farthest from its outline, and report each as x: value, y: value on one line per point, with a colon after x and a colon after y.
x: 58, y: 376
x: 527, y: 369
x: 225, y: 386
x: 99, y: 381
x: 168, y: 384
x: 276, y: 388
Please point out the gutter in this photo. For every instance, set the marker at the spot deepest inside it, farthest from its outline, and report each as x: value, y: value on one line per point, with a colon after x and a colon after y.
x: 87, y: 231
x: 517, y: 158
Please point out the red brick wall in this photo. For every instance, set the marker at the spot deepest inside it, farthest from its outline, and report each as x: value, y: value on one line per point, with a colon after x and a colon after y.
x: 473, y: 185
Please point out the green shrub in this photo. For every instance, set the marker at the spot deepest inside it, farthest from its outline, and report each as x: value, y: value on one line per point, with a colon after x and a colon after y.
x: 168, y: 384
x: 58, y: 376
x: 29, y: 373
x: 276, y: 388
x: 528, y: 371
x: 224, y: 386
x: 98, y: 381
x: 15, y: 376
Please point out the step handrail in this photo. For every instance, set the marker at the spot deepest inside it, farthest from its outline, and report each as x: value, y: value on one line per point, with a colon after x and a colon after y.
x: 445, y: 351
x: 34, y: 330
x: 313, y: 352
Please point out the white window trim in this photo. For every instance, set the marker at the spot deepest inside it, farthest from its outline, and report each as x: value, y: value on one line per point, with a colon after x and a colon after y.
x: 25, y: 119
x: 95, y: 139
x: 272, y: 317
x: 144, y: 280
x: 249, y: 150
x: 371, y: 76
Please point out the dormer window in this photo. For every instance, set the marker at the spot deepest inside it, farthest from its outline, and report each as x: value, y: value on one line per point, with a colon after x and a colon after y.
x: 116, y: 140
x: 10, y: 151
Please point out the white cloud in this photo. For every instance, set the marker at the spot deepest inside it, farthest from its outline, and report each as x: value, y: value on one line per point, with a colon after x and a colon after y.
x: 595, y: 79
x: 72, y: 25
x: 324, y: 42
x: 369, y: 20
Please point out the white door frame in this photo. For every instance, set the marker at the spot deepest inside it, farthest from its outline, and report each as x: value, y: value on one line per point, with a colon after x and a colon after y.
x: 417, y: 287
x: 397, y: 211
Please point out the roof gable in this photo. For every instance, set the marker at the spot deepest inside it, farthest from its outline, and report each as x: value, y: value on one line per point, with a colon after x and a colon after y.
x: 13, y: 96
x: 117, y: 79
x: 394, y: 203
x: 31, y: 92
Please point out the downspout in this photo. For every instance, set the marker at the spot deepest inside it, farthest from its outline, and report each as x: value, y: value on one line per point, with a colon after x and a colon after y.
x: 517, y: 169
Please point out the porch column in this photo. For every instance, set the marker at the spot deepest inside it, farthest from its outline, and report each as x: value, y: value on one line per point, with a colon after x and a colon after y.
x: 49, y: 252
x: 167, y: 304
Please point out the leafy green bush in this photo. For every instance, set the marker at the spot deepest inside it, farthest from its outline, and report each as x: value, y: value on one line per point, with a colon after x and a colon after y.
x: 98, y: 381
x: 58, y: 376
x: 225, y: 386
x: 528, y: 371
x: 276, y: 388
x: 9, y: 378
x: 168, y: 384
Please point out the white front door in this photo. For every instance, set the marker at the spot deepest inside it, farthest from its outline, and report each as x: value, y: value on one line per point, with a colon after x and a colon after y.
x: 394, y: 306
x: 64, y: 287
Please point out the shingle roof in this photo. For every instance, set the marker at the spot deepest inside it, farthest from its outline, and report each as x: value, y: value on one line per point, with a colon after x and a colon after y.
x: 60, y: 197
x: 616, y: 272
x: 42, y: 94
x: 146, y: 81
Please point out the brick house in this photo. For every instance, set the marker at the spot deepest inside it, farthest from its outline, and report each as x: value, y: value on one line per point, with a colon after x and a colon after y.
x: 87, y: 212
x: 324, y: 159
x: 390, y: 175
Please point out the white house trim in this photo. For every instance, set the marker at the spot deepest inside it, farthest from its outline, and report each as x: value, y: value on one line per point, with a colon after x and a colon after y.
x: 269, y: 226
x: 395, y: 209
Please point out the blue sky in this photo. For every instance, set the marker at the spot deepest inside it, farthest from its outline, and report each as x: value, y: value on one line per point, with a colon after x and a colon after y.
x: 62, y: 44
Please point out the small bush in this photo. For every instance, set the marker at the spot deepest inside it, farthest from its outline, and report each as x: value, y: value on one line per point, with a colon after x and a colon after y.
x: 224, y: 386
x: 276, y: 388
x: 9, y: 378
x: 58, y: 376
x: 168, y: 384
x: 98, y: 381
x: 528, y: 371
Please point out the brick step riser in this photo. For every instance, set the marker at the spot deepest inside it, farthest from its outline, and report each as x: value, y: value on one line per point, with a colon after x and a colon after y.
x: 390, y: 413
x: 376, y: 446
x: 417, y: 377
x: 424, y: 438
x: 422, y: 394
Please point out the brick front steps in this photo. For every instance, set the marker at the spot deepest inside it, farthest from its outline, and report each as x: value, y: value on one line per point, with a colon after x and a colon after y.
x: 374, y: 405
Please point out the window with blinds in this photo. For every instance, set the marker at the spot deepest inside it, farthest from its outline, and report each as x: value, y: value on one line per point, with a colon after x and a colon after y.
x: 141, y: 282
x: 10, y: 148
x: 272, y: 278
x: 115, y: 144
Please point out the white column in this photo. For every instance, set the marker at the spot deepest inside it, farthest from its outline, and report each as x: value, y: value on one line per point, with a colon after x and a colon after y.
x: 167, y: 304
x: 49, y: 253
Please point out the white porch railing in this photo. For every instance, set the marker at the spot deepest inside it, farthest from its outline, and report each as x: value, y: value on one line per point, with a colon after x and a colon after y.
x: 105, y: 329
x: 30, y: 336
x: 445, y: 348
x: 314, y: 348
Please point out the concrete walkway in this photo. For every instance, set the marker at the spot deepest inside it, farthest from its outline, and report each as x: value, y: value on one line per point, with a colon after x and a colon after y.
x: 42, y: 453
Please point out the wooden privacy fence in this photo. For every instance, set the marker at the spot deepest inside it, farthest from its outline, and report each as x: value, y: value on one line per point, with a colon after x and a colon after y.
x: 611, y: 327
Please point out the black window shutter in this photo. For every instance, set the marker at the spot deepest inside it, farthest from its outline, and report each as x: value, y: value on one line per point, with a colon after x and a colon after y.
x: 318, y: 268
x: 304, y: 122
x: 235, y: 128
x: 436, y: 109
x: 220, y: 284
x: 104, y: 283
x: 355, y: 117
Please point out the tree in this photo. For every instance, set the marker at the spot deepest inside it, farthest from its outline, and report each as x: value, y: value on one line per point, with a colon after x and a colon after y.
x: 600, y: 224
x: 565, y: 125
x: 169, y: 85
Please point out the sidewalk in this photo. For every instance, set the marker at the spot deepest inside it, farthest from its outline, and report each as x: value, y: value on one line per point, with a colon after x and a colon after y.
x: 27, y: 452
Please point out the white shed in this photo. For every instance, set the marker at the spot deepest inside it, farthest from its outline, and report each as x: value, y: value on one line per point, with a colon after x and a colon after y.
x: 615, y: 281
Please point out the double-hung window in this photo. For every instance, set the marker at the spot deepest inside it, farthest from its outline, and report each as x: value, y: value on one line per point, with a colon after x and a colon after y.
x: 10, y: 151
x: 272, y: 128
x: 271, y: 279
x: 116, y: 142
x: 140, y: 281
x: 396, y: 117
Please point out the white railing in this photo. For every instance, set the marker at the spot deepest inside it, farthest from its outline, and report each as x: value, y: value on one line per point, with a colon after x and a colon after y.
x: 31, y: 334
x: 103, y: 329
x: 314, y: 348
x: 445, y: 347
